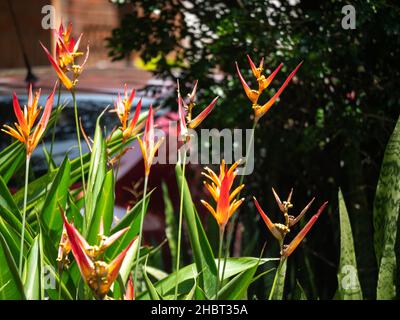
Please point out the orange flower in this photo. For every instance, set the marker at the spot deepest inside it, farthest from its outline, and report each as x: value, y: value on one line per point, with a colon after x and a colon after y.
x: 98, y: 274
x: 186, y: 113
x: 24, y: 130
x: 148, y: 145
x: 263, y: 83
x: 280, y: 230
x: 220, y: 190
x: 123, y: 107
x: 66, y: 52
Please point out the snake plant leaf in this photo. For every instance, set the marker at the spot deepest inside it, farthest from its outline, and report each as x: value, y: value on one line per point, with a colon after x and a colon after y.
x: 348, y: 283
x: 386, y: 215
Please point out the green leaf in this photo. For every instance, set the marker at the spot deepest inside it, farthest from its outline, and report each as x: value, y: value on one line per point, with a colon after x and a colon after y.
x: 9, y: 278
x: 234, y: 266
x: 150, y: 287
x: 348, y: 283
x: 9, y: 210
x: 202, y: 252
x: 32, y: 272
x: 11, y: 158
x: 57, y: 195
x: 386, y: 214
x: 97, y: 172
x: 131, y: 219
x: 236, y: 288
x: 171, y: 228
x: 104, y: 210
x: 280, y: 282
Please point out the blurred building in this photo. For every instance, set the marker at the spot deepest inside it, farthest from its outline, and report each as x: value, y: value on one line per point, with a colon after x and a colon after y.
x: 94, y: 18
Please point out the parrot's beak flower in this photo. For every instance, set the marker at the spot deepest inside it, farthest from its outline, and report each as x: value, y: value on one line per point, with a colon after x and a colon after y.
x: 123, y: 108
x: 148, y: 145
x: 279, y: 230
x: 64, y: 248
x: 129, y: 291
x: 24, y: 130
x: 98, y: 274
x: 263, y: 83
x: 219, y: 187
x: 186, y: 110
x: 66, y: 54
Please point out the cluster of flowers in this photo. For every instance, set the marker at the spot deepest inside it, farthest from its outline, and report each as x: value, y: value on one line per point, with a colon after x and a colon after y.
x: 97, y: 273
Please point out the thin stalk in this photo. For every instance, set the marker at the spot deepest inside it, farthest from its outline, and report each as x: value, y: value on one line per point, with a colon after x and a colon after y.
x: 146, y: 178
x: 78, y: 134
x: 234, y: 218
x: 221, y: 240
x: 59, y: 284
x: 53, y: 135
x: 21, y: 247
x: 178, y: 256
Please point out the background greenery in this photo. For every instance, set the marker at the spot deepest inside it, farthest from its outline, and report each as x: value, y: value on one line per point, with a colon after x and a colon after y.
x: 330, y: 128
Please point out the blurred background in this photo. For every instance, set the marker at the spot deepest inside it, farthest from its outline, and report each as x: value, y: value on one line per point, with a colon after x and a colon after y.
x: 329, y: 129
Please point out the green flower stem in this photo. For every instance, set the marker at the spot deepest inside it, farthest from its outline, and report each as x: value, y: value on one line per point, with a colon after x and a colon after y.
x: 53, y: 135
x: 178, y: 256
x: 146, y: 179
x: 21, y: 247
x: 235, y: 215
x: 221, y: 240
x: 78, y: 134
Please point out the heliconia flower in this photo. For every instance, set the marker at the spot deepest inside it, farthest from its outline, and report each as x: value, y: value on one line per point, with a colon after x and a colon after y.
x: 129, y: 291
x: 24, y: 130
x: 187, y: 110
x: 263, y: 83
x: 123, y: 107
x: 98, y: 274
x: 148, y: 145
x: 288, y: 250
x: 220, y: 189
x: 66, y: 52
x: 277, y: 230
x: 280, y: 230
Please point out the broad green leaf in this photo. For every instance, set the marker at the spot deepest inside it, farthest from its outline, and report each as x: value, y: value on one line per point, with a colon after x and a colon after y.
x: 236, y: 288
x: 386, y: 215
x: 97, y: 173
x: 32, y: 272
x: 9, y: 210
x: 171, y: 228
x: 11, y: 158
x: 234, y: 266
x: 104, y: 210
x: 202, y: 253
x: 131, y: 219
x: 57, y: 196
x: 348, y: 284
x: 9, y: 278
x: 156, y: 273
x: 12, y: 238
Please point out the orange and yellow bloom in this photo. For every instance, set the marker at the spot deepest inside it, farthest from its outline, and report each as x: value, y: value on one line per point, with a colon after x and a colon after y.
x: 123, y: 108
x: 279, y: 230
x: 66, y: 53
x: 148, y: 145
x: 263, y: 83
x: 24, y: 130
x: 98, y: 274
x: 220, y: 187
